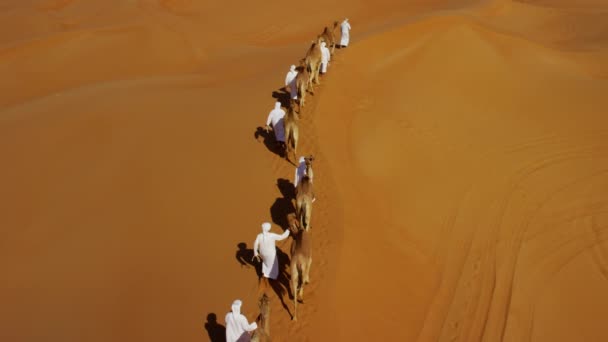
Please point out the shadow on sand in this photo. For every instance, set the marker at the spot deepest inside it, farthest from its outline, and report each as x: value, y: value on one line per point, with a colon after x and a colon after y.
x: 283, y: 96
x: 216, y: 332
x: 269, y: 141
x: 284, y: 206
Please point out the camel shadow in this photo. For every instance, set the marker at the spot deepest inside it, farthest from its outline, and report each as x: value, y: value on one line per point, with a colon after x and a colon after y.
x: 284, y: 206
x: 269, y: 141
x: 281, y: 285
x: 216, y: 332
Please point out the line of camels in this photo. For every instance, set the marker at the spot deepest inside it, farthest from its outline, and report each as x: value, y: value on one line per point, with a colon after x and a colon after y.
x: 299, y: 224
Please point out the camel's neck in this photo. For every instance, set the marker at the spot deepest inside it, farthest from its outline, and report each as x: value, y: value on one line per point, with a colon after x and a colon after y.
x: 265, y: 320
x: 309, y: 172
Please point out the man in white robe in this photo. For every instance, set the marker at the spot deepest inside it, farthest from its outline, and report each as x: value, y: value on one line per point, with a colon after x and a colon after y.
x: 290, y: 82
x: 325, y: 57
x: 275, y: 118
x: 345, y: 28
x: 265, y: 247
x: 237, y: 326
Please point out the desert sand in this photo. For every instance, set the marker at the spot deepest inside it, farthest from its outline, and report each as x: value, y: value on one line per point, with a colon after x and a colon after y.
x: 461, y: 169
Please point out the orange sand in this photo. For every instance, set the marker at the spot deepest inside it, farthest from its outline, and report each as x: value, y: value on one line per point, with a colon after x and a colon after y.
x: 461, y: 172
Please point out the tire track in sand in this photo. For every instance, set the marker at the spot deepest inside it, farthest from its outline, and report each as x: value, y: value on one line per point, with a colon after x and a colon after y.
x: 474, y: 304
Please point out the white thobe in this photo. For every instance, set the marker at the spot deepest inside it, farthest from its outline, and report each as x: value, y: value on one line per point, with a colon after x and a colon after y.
x: 275, y: 117
x: 345, y: 28
x: 265, y: 243
x: 325, y: 57
x: 290, y: 82
x: 237, y: 327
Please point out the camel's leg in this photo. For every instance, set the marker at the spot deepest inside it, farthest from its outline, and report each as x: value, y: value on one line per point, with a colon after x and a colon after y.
x: 287, y: 144
x: 294, y: 287
x: 302, y: 216
x: 301, y: 293
x: 305, y: 211
x: 306, y: 272
x: 298, y: 208
x: 296, y: 133
x: 311, y: 79
x: 302, y: 95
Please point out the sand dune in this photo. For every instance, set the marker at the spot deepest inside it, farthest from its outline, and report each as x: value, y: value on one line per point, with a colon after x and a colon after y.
x: 461, y: 169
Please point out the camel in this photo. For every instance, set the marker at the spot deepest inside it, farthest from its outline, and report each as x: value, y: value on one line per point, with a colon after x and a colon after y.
x: 290, y: 122
x: 329, y: 36
x: 303, y: 84
x: 301, y: 259
x: 262, y: 333
x: 308, y: 161
x: 313, y: 60
x: 305, y: 195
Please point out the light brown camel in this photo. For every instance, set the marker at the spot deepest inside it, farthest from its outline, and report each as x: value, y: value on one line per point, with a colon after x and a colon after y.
x: 305, y: 195
x: 303, y: 84
x: 262, y: 333
x: 313, y: 60
x: 329, y: 36
x: 290, y: 123
x: 308, y: 161
x: 301, y: 259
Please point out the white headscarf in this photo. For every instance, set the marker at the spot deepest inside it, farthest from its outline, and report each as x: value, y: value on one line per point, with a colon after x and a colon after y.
x: 323, y: 44
x: 236, y: 307
x: 266, y: 227
x: 277, y: 105
x: 292, y: 68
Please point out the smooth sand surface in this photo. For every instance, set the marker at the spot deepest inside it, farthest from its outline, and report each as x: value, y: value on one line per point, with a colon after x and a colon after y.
x: 461, y: 169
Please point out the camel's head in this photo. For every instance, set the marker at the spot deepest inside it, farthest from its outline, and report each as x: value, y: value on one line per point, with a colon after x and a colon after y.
x: 308, y: 160
x: 263, y: 302
x: 319, y: 39
x: 336, y: 23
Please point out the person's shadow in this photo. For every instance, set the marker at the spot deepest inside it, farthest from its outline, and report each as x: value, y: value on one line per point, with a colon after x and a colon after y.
x: 216, y: 332
x: 282, y: 96
x: 244, y: 256
x: 269, y: 141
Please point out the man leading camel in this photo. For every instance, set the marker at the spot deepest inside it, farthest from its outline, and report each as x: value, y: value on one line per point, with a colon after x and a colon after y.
x: 345, y: 29
x: 325, y: 57
x: 237, y: 326
x: 275, y: 118
x: 265, y: 247
x: 290, y: 82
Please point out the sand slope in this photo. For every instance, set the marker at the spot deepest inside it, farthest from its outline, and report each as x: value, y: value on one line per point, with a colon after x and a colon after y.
x: 461, y: 169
